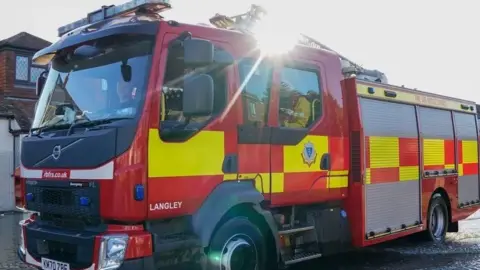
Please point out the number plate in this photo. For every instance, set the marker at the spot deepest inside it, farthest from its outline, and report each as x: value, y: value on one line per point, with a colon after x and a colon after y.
x: 48, y: 264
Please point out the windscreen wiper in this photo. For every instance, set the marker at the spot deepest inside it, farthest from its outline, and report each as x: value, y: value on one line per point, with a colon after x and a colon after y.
x: 92, y: 123
x: 47, y: 128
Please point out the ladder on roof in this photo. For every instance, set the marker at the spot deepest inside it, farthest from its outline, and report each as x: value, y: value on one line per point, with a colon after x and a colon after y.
x: 244, y: 22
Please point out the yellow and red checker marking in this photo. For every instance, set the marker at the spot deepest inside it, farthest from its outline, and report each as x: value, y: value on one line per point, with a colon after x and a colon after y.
x: 391, y: 159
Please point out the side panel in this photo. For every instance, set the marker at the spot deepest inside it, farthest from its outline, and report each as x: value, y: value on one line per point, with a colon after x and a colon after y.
x: 467, y: 154
x: 438, y: 155
x: 392, y: 188
x: 437, y: 140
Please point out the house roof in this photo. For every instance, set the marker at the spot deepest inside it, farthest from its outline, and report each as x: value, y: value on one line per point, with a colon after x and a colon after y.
x: 22, y: 110
x: 24, y: 40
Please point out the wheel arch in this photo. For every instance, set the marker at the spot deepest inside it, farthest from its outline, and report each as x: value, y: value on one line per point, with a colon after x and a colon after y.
x: 230, y: 199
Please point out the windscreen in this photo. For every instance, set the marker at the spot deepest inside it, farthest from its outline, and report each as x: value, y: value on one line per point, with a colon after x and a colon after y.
x: 102, y: 80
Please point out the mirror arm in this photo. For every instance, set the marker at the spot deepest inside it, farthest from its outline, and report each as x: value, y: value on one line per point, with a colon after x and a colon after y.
x: 180, y: 39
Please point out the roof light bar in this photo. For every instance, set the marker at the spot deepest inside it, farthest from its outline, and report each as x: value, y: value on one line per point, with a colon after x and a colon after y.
x: 108, y: 12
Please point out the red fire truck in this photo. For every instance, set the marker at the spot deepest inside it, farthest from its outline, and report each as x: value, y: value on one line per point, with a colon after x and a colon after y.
x: 163, y: 145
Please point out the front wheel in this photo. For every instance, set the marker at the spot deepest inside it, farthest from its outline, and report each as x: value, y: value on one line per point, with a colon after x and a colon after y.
x: 237, y: 245
x: 437, y: 219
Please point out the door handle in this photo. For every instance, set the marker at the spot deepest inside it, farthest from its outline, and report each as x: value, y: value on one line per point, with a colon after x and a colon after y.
x: 230, y: 164
x: 325, y: 163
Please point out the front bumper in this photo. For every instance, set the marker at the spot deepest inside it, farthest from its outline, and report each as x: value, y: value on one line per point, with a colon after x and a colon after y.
x: 146, y: 263
x: 138, y: 253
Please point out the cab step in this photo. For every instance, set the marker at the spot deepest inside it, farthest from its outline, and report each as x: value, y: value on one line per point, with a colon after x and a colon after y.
x: 296, y: 230
x: 301, y: 257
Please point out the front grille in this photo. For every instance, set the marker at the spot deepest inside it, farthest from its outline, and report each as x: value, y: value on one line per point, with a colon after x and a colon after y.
x: 62, y: 197
x: 59, y: 202
x: 75, y: 249
x: 70, y: 222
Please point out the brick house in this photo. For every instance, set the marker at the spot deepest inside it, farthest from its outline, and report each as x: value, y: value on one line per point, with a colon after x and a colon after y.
x: 17, y: 103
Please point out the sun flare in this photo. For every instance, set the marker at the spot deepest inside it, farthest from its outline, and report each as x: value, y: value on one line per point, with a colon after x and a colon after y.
x: 275, y: 34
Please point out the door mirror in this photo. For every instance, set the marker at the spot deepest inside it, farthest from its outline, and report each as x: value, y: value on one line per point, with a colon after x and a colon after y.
x: 41, y: 83
x: 198, y: 52
x: 198, y: 95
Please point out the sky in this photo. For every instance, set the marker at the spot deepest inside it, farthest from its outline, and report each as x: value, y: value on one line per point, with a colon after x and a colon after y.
x: 428, y: 45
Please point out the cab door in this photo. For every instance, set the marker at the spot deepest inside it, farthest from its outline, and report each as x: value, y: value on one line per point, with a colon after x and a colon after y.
x: 187, y: 159
x: 301, y: 136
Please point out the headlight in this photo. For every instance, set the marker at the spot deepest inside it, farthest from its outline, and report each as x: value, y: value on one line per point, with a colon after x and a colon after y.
x: 112, y: 251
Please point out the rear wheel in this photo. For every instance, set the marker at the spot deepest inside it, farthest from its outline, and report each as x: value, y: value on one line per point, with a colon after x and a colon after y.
x: 237, y: 245
x: 437, y: 219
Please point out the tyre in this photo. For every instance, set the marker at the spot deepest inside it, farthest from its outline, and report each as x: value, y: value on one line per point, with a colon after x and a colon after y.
x: 237, y: 245
x: 437, y: 219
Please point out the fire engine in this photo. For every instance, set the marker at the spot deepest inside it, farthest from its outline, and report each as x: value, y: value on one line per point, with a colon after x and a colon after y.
x: 158, y: 144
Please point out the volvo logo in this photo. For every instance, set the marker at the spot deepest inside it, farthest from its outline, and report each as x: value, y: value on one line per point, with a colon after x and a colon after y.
x: 57, y: 151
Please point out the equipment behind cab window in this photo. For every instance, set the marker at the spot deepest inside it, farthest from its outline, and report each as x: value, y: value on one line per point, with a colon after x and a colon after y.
x: 300, y: 98
x: 173, y: 126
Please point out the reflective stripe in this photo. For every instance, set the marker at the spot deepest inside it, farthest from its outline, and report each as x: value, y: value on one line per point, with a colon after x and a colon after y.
x: 384, y: 152
x: 391, y: 159
x: 201, y: 155
x: 408, y: 173
x: 104, y: 172
x: 292, y: 154
x: 433, y: 152
x: 262, y: 180
x: 468, y: 157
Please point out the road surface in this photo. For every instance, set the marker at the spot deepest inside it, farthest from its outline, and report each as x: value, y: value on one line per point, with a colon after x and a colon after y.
x: 461, y: 252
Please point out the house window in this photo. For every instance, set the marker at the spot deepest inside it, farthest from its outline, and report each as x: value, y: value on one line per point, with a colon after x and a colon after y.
x: 25, y: 71
x: 21, y: 70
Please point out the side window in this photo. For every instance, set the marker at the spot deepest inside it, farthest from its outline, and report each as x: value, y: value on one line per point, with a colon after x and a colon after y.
x: 300, y: 98
x: 255, y: 79
x: 174, y: 126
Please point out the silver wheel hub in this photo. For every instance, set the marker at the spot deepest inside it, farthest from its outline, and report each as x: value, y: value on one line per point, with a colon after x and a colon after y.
x: 437, y: 221
x: 238, y: 254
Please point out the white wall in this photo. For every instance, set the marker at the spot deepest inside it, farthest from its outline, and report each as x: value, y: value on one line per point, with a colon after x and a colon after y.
x: 7, y: 186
